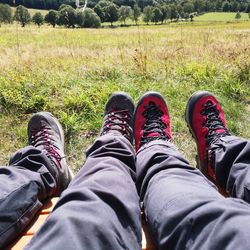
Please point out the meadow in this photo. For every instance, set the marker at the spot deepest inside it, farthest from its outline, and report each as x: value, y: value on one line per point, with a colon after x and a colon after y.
x: 33, y: 11
x: 72, y: 72
x: 221, y: 16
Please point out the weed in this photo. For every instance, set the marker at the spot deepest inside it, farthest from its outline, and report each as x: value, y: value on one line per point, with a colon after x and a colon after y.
x: 70, y: 123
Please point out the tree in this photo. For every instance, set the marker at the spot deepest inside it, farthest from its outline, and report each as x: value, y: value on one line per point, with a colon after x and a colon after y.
x: 147, y: 14
x: 191, y: 16
x: 62, y: 6
x: 99, y: 10
x: 235, y: 6
x: 136, y: 12
x: 173, y: 12
x: 129, y: 3
x: 107, y: 11
x: 38, y: 19
x: 180, y: 11
x: 51, y: 17
x: 198, y: 5
x: 218, y: 5
x: 22, y: 15
x: 88, y: 19
x: 226, y: 7
x: 111, y: 13
x: 247, y: 9
x: 156, y: 15
x: 124, y: 13
x: 37, y: 4
x: 144, y: 3
x: 186, y: 16
x: 165, y: 12
x: 67, y: 16
x: 188, y: 8
x: 5, y: 13
x: 208, y: 5
x: 238, y: 15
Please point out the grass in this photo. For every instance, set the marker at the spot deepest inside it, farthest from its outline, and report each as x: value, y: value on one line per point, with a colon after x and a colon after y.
x: 33, y: 11
x: 72, y: 72
x: 221, y: 16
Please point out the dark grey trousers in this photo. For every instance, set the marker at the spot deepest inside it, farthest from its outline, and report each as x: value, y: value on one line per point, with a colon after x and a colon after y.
x: 24, y: 185
x: 100, y: 209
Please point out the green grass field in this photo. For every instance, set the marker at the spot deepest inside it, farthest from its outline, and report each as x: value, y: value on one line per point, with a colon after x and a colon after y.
x: 72, y: 72
x: 221, y: 16
x: 33, y: 11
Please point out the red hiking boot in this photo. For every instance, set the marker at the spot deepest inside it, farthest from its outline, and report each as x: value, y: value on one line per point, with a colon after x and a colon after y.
x: 207, y: 124
x: 151, y: 120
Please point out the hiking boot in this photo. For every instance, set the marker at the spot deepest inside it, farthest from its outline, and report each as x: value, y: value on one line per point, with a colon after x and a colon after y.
x: 45, y: 133
x: 151, y: 120
x: 118, y: 116
x: 207, y: 124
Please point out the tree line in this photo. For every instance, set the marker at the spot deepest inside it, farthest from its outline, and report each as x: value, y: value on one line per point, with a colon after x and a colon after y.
x: 104, y: 11
x: 66, y: 16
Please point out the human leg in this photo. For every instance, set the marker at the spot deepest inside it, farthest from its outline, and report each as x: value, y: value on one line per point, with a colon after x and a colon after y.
x: 224, y: 158
x: 31, y: 177
x: 183, y: 209
x: 100, y: 209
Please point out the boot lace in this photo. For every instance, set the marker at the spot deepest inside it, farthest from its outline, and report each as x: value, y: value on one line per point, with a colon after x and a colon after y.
x: 118, y: 120
x: 213, y: 122
x: 43, y: 137
x: 153, y: 124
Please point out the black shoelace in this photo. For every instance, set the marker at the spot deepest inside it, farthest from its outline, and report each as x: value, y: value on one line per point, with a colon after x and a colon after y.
x: 213, y: 122
x: 153, y: 124
x: 118, y: 121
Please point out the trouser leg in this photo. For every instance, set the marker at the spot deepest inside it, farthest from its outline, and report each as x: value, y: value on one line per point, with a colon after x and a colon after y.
x: 183, y: 209
x: 231, y: 157
x: 24, y: 185
x: 100, y: 209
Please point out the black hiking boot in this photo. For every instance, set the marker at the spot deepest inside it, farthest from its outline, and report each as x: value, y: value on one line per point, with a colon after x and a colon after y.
x: 118, y: 116
x: 45, y: 133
